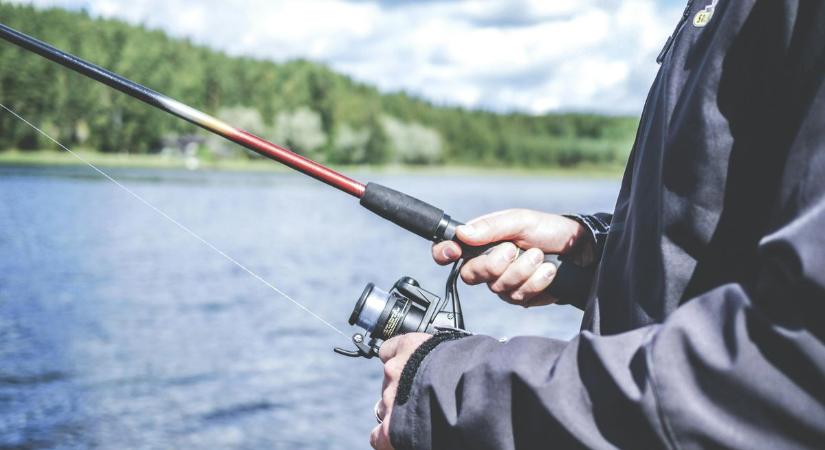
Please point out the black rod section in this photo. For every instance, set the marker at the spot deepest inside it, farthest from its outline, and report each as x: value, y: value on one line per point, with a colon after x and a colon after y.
x: 97, y: 73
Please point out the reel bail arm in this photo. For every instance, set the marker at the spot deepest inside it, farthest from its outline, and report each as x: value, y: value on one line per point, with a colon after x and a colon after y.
x: 367, y: 350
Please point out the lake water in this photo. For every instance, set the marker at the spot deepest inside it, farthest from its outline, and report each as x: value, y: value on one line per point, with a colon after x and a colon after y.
x: 118, y: 330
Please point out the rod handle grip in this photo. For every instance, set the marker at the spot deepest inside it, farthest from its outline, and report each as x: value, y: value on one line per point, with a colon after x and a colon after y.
x: 405, y: 211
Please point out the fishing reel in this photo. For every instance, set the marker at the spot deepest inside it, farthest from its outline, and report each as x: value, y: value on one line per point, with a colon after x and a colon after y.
x: 406, y: 308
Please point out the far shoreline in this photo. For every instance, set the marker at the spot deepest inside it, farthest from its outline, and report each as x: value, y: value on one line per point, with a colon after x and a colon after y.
x: 163, y: 162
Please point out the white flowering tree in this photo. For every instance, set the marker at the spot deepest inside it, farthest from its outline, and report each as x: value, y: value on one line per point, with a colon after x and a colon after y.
x: 413, y: 143
x: 301, y: 130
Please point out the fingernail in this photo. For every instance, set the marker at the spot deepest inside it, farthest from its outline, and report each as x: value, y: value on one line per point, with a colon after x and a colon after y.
x: 469, y: 230
x: 537, y: 257
x: 550, y: 271
x: 450, y: 253
x: 510, y: 253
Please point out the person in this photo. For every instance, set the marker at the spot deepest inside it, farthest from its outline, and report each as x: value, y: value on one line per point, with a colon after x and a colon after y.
x: 705, y: 317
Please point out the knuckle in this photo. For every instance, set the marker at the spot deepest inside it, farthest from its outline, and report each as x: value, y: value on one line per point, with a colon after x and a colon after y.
x: 551, y: 271
x: 528, y: 264
x: 387, y: 350
x: 485, y: 222
x: 406, y: 342
x: 474, y: 272
x: 521, y: 272
x: 528, y: 290
x: 512, y: 278
x: 392, y: 369
x: 534, y: 256
x: 545, y: 274
x: 532, y: 224
x: 468, y: 277
x: 497, y: 267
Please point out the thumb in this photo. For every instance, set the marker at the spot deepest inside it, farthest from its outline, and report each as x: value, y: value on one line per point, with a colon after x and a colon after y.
x: 500, y: 226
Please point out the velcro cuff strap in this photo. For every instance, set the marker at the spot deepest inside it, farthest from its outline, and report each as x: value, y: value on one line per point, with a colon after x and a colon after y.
x: 411, y: 368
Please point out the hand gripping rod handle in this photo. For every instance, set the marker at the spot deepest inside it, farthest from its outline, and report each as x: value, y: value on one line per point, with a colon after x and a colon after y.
x: 433, y: 224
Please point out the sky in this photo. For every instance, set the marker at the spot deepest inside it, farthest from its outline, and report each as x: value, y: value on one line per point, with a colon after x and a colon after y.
x: 533, y: 56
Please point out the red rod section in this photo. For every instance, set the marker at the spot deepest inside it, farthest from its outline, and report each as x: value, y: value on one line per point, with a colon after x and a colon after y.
x: 299, y: 163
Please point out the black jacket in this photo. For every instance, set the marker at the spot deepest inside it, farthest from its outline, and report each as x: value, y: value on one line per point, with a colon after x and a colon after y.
x: 706, y: 321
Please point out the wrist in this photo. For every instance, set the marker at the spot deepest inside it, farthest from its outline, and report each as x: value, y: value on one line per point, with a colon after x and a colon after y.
x: 591, y: 234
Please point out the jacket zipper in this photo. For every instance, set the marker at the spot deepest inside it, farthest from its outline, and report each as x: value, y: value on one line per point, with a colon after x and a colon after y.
x: 672, y: 37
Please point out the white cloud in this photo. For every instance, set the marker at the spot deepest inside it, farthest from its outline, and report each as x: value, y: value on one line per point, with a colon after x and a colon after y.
x: 529, y: 55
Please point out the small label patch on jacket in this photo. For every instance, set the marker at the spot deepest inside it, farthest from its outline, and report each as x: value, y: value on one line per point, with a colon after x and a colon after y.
x: 703, y: 17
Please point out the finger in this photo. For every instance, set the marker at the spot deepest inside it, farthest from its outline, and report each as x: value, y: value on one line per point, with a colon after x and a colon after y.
x: 446, y: 252
x: 384, y: 442
x: 380, y: 435
x: 484, y: 268
x: 387, y: 401
x: 535, y: 286
x: 374, y: 436
x: 500, y: 226
x: 392, y: 371
x: 391, y: 374
x: 389, y: 348
x: 519, y: 272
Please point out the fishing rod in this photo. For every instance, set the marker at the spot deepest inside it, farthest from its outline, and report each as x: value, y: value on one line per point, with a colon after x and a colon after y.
x: 410, y: 213
x: 406, y: 307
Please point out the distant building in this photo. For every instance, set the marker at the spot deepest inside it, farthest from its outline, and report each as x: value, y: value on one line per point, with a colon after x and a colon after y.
x: 185, y: 147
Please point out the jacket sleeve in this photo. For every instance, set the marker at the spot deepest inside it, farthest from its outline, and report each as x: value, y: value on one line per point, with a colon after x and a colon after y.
x: 740, y: 366
x: 733, y: 368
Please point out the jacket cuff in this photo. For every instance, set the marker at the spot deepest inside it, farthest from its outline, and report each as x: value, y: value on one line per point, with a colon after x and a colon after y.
x: 411, y: 368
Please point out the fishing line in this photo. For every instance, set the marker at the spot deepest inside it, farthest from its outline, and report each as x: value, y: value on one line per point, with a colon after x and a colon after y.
x: 178, y: 224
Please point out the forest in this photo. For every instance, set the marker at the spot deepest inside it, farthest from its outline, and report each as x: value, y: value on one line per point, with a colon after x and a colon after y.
x: 301, y: 104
